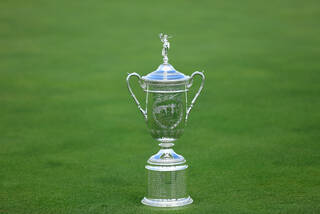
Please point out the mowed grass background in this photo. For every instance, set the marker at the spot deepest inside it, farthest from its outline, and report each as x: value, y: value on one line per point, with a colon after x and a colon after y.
x: 72, y: 139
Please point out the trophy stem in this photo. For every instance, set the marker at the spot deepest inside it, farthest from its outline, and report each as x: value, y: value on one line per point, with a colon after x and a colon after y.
x: 166, y: 145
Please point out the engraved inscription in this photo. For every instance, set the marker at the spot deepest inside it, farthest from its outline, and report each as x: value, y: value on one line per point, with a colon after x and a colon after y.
x: 167, y: 111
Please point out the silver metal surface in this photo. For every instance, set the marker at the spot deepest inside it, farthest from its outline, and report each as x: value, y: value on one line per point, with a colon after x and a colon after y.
x: 166, y: 168
x: 165, y: 73
x: 167, y: 202
x: 166, y: 46
x: 166, y: 186
x: 144, y: 112
x: 166, y: 157
x: 198, y: 92
x: 166, y: 113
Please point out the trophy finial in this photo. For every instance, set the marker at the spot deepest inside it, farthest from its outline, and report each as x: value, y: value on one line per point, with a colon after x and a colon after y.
x: 166, y: 45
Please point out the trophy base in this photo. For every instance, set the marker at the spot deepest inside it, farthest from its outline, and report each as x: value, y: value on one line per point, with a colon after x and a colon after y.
x: 167, y: 202
x: 166, y: 180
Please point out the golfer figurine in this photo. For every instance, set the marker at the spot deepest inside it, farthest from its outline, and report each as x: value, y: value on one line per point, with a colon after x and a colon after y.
x: 166, y: 111
x: 166, y: 46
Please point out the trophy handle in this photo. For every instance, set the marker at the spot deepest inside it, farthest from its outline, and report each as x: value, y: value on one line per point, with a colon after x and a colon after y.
x: 144, y: 112
x: 198, y: 92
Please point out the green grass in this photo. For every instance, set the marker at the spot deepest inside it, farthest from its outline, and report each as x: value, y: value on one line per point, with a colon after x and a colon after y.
x: 72, y: 139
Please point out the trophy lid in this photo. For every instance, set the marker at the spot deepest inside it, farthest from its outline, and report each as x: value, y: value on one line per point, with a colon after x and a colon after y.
x: 165, y: 72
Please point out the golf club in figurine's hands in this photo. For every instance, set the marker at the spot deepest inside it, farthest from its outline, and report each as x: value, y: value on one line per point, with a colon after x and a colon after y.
x: 166, y: 113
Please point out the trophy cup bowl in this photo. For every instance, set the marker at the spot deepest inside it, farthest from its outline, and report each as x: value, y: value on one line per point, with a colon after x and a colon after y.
x: 166, y: 113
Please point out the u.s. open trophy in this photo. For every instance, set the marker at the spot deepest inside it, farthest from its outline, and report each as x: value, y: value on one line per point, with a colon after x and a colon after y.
x: 166, y: 114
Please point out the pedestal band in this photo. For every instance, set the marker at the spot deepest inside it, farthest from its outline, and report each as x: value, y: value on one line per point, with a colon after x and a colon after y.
x: 166, y: 168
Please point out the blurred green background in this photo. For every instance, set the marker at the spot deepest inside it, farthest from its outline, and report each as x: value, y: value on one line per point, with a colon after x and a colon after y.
x: 73, y: 141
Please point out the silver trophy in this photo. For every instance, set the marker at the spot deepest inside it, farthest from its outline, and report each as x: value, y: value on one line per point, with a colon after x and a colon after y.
x: 166, y: 113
